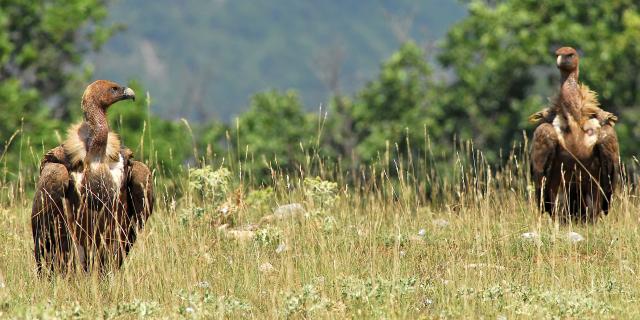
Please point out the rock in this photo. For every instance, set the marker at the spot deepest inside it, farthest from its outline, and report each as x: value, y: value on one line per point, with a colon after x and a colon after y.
x: 361, y: 233
x: 530, y: 235
x: 574, y: 237
x: 248, y: 227
x: 287, y: 211
x: 241, y: 235
x: 266, y: 268
x: 282, y: 247
x: 485, y: 266
x: 442, y: 223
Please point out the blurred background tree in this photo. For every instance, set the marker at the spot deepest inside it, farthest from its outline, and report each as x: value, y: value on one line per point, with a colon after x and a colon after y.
x: 42, y: 46
x: 152, y: 139
x: 394, y: 107
x: 503, y: 64
x: 492, y: 69
x: 274, y: 133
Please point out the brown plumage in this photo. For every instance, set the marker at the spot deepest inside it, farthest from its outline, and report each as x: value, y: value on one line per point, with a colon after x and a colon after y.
x: 590, y: 109
x: 92, y: 197
x: 574, y: 155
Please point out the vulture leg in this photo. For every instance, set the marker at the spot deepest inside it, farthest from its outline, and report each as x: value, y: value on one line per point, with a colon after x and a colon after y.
x: 140, y: 200
x: 543, y: 152
x: 52, y: 240
x: 609, y: 154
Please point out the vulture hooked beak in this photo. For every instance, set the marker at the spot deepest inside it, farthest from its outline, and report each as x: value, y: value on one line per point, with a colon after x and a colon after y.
x: 128, y: 94
x: 563, y: 61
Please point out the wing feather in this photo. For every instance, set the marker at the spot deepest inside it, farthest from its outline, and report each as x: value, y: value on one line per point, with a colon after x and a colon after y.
x: 609, y: 156
x: 139, y: 190
x: 49, y: 225
x: 543, y: 155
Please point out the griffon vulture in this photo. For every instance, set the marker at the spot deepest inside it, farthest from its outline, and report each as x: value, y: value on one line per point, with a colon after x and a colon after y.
x: 574, y: 155
x: 91, y: 198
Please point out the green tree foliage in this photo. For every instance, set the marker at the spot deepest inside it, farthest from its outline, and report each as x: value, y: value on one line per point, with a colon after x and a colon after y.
x: 151, y: 138
x: 390, y: 111
x: 393, y: 107
x: 42, y: 45
x: 274, y: 133
x: 502, y: 58
x: 19, y: 115
x: 43, y: 42
x: 498, y: 68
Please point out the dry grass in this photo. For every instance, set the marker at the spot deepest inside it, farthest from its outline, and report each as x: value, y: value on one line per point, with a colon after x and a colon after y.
x: 375, y: 249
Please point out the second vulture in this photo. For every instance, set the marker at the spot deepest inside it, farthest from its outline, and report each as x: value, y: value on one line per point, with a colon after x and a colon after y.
x: 575, y: 154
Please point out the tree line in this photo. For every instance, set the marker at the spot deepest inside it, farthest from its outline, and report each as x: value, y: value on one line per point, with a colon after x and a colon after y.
x: 492, y: 70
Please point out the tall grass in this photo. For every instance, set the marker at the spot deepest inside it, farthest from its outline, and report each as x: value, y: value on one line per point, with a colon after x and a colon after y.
x: 410, y: 236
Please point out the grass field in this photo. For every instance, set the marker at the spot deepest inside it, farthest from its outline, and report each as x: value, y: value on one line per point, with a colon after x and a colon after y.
x: 377, y: 248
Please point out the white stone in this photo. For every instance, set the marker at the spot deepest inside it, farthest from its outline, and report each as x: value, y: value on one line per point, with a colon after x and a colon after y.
x: 530, y: 235
x: 289, y: 210
x: 485, y: 266
x: 442, y: 223
x: 282, y: 247
x: 574, y: 237
x: 242, y: 235
x: 266, y: 268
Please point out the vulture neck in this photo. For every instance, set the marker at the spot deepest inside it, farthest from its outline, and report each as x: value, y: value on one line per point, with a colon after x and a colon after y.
x: 570, y: 97
x: 95, y: 118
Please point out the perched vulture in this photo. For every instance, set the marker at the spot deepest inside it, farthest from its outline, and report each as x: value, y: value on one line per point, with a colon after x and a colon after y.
x: 92, y: 197
x: 574, y: 155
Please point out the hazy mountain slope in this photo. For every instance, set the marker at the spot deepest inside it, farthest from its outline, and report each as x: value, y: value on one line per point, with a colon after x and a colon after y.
x: 204, y: 58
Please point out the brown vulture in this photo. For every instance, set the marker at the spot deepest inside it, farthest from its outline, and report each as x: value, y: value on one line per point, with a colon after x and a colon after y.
x: 91, y: 198
x: 574, y: 156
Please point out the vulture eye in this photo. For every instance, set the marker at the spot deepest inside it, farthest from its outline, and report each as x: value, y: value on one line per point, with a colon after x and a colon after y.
x: 114, y: 89
x: 590, y: 132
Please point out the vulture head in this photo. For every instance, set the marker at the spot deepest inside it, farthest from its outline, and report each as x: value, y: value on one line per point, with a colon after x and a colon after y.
x: 103, y: 94
x: 567, y: 59
x: 97, y: 98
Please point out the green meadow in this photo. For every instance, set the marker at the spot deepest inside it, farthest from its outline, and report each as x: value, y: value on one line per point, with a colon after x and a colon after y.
x: 325, y: 160
x: 400, y: 242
